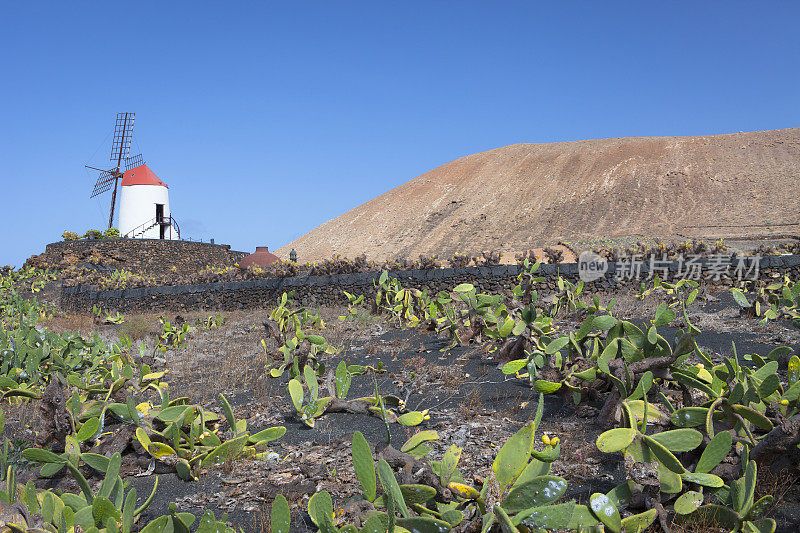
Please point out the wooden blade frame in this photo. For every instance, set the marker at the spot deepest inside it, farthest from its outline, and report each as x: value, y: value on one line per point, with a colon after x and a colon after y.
x: 104, y: 183
x: 134, y: 161
x: 123, y: 132
x: 120, y: 149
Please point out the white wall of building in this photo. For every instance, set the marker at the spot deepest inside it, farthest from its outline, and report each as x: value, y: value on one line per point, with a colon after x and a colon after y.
x: 138, y: 206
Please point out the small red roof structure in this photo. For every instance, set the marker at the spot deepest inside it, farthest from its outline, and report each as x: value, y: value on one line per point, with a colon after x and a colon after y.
x: 141, y: 175
x: 261, y: 258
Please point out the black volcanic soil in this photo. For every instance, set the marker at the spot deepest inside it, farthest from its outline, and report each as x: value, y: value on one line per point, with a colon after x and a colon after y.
x: 472, y: 405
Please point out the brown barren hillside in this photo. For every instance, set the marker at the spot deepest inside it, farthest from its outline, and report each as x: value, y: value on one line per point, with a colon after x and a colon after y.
x: 528, y: 195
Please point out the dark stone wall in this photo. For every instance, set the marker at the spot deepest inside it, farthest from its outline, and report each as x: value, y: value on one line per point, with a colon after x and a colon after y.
x: 140, y: 256
x: 327, y: 290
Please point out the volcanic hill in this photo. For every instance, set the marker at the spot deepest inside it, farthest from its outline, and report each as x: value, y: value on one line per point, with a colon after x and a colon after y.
x: 529, y: 195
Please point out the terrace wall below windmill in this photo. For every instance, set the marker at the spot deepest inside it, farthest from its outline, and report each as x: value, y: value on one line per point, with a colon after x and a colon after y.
x: 140, y: 256
x: 327, y: 290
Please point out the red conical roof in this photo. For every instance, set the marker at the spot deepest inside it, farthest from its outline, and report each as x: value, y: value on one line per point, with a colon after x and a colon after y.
x: 141, y: 175
x: 260, y: 258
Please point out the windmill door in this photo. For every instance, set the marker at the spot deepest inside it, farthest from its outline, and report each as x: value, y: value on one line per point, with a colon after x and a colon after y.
x: 160, y: 221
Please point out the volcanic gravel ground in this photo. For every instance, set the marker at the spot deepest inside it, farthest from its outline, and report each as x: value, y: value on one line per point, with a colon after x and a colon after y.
x: 472, y: 405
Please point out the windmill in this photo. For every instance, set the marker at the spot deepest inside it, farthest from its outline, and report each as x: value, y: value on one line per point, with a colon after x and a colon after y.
x: 120, y: 150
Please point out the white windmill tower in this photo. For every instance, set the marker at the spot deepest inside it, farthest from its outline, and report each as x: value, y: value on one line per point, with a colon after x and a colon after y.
x: 144, y: 207
x: 144, y: 204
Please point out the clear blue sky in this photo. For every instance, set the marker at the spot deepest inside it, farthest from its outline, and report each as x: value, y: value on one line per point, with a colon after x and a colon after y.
x: 268, y: 118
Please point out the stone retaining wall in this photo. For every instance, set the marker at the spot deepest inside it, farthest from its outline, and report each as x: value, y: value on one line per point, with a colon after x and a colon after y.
x: 140, y: 256
x: 327, y: 290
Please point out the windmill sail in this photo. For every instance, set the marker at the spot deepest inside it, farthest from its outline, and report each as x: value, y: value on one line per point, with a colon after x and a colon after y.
x: 123, y: 131
x: 120, y: 149
x: 134, y: 161
x: 104, y: 183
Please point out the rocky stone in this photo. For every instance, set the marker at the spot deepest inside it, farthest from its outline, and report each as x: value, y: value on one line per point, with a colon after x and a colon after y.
x: 140, y: 256
x: 328, y: 290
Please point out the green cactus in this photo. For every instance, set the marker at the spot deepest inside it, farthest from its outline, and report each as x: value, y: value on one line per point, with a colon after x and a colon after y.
x: 514, y: 455
x: 414, y: 445
x: 706, y: 480
x: 364, y: 466
x: 413, y: 418
x: 184, y: 471
x: 320, y: 508
x: 793, y: 371
x: 505, y: 522
x: 540, y: 490
x: 448, y: 468
x: 290, y: 324
x: 315, y: 407
x: 716, y: 450
x: 423, y: 524
x: 664, y: 456
x: 376, y: 524
x: 266, y: 435
x: 605, y: 511
x: 525, y: 487
x: 549, y: 454
x: 639, y: 522
x: 226, y: 451
x: 228, y: 412
x: 342, y: 380
x: 690, y: 416
x: 280, y: 516
x: 688, y: 502
x: 569, y: 516
x: 296, y: 393
x: 417, y: 494
x: 615, y: 440
x: 663, y: 446
x: 679, y: 440
x: 739, y: 510
x: 109, y: 509
x: 392, y: 490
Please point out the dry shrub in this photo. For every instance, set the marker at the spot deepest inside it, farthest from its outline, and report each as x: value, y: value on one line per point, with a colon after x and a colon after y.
x: 80, y: 323
x: 554, y: 255
x: 137, y: 327
x: 472, y: 405
x: 426, y: 262
x: 489, y: 258
x: 530, y: 255
x: 693, y: 523
x: 396, y: 264
x: 508, y: 406
x: 415, y: 364
x: 228, y: 463
x: 777, y: 484
x: 459, y: 260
